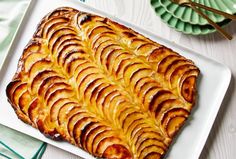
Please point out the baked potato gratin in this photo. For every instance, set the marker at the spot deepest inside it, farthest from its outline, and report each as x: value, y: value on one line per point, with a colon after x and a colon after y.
x: 102, y: 86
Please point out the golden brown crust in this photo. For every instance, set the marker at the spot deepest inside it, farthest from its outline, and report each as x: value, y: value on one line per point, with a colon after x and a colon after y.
x: 102, y: 86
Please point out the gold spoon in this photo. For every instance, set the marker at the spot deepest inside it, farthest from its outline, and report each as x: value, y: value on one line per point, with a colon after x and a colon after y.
x: 193, y: 5
x: 187, y: 2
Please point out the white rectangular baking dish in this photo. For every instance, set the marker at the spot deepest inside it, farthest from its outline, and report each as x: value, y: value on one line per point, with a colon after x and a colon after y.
x: 212, y: 84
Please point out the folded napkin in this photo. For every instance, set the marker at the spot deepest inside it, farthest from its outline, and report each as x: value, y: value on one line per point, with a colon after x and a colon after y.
x: 11, y: 14
x: 14, y: 145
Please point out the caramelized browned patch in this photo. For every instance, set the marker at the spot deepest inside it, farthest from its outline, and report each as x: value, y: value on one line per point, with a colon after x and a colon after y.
x: 102, y: 87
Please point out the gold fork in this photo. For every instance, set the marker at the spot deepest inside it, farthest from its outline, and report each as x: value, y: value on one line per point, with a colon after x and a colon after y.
x: 193, y: 5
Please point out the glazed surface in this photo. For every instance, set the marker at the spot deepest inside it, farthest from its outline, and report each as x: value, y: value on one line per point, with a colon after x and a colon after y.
x: 102, y: 87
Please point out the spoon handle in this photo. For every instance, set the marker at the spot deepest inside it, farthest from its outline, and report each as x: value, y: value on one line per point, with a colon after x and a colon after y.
x: 217, y: 27
x: 233, y: 17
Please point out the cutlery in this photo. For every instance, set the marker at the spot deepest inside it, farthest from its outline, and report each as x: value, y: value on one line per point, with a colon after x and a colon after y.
x: 189, y: 2
x: 194, y: 6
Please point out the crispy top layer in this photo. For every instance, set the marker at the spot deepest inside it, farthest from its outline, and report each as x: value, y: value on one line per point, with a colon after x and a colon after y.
x: 102, y: 86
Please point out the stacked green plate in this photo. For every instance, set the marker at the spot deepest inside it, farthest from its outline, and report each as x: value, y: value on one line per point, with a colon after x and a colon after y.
x: 186, y: 20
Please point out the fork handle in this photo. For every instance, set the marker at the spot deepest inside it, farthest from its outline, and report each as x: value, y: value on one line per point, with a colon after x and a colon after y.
x: 216, y: 26
x: 227, y: 15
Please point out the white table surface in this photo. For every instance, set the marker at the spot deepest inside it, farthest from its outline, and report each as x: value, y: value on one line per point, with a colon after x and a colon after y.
x: 221, y: 143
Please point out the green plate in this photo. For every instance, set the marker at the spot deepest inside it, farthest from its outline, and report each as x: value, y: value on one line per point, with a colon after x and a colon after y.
x: 180, y: 25
x: 187, y: 14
